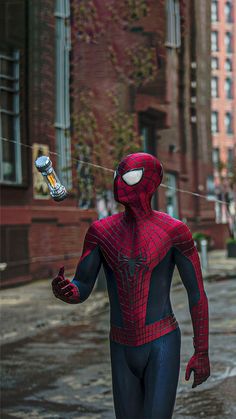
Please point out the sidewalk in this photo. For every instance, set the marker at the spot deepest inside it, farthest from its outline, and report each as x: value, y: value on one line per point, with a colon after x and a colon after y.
x: 220, y: 265
x: 36, y: 308
x: 56, y: 364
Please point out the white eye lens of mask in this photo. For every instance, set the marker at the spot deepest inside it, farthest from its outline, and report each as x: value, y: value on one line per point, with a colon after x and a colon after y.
x: 115, y: 173
x: 133, y: 177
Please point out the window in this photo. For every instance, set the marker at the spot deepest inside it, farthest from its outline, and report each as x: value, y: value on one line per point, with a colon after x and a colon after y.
x: 62, y: 124
x: 214, y: 41
x: 216, y: 157
x: 10, y: 152
x: 144, y: 134
x: 228, y: 123
x: 148, y: 134
x: 230, y: 160
x: 214, y: 63
x: 228, y: 64
x: 210, y: 187
x: 171, y: 195
x: 173, y: 24
x: 214, y: 87
x: 228, y: 12
x: 229, y: 88
x: 214, y: 122
x: 228, y: 42
x: 214, y: 11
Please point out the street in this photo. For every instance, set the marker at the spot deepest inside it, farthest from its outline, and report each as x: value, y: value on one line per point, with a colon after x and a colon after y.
x: 55, y: 356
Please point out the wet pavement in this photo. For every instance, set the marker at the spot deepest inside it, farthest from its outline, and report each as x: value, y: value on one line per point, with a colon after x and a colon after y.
x: 55, y: 356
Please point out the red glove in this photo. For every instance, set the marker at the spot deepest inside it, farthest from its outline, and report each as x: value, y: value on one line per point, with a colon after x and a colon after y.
x: 64, y: 289
x: 199, y: 363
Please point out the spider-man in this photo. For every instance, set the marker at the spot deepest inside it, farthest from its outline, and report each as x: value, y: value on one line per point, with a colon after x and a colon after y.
x: 139, y: 249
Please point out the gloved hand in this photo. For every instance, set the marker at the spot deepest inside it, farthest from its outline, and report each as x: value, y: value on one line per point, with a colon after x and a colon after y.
x: 199, y: 363
x: 64, y: 289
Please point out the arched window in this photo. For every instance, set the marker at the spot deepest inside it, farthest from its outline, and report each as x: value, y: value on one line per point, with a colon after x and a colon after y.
x: 228, y: 12
x: 229, y: 88
x: 229, y: 123
x: 228, y: 42
x: 228, y: 64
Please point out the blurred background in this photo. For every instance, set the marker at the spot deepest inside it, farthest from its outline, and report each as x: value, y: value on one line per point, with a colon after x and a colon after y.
x: 86, y: 82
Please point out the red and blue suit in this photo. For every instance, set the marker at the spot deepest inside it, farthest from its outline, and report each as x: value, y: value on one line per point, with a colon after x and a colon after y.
x: 139, y: 249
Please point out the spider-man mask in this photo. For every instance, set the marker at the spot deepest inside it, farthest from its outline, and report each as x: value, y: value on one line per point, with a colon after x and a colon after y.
x: 135, y: 181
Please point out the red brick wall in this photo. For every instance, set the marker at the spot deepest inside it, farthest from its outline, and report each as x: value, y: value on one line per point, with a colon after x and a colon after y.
x: 54, y: 237
x: 48, y: 228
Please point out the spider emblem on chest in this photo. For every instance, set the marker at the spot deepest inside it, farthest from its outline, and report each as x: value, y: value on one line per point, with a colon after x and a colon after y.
x: 132, y: 274
x: 132, y: 265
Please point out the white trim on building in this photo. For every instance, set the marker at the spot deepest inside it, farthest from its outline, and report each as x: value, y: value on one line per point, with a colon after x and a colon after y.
x: 62, y: 123
x: 173, y: 34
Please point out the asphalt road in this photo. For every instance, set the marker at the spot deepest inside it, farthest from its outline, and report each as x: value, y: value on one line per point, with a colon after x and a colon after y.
x: 55, y: 356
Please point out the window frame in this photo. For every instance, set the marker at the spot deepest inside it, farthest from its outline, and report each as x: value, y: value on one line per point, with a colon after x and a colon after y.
x: 228, y: 60
x: 216, y: 157
x: 216, y: 12
x: 228, y: 17
x: 171, y: 179
x: 230, y: 159
x: 229, y: 127
x: 14, y: 58
x: 229, y: 47
x: 216, y: 59
x: 173, y: 26
x: 229, y: 92
x: 215, y: 113
x: 62, y: 118
x: 217, y: 41
x: 215, y: 89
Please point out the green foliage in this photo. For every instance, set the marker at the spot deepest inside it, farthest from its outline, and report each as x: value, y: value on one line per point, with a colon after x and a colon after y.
x: 119, y: 138
x: 123, y: 135
x: 128, y: 12
x: 143, y: 65
x: 136, y: 9
x: 199, y: 236
x: 230, y: 240
x: 88, y: 24
x: 93, y: 142
x: 84, y: 120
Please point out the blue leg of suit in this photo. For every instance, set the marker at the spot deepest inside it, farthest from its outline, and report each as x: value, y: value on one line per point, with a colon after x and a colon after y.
x: 145, y: 377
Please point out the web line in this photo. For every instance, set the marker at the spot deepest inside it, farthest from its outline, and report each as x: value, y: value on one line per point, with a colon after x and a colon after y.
x: 112, y: 171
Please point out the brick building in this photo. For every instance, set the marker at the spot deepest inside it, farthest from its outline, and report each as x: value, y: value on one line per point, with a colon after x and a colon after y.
x: 73, y: 84
x: 223, y: 64
x: 37, y: 234
x: 172, y: 111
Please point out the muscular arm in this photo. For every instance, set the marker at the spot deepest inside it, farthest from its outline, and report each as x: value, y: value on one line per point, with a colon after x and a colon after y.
x: 88, y: 266
x: 79, y: 289
x: 188, y: 263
